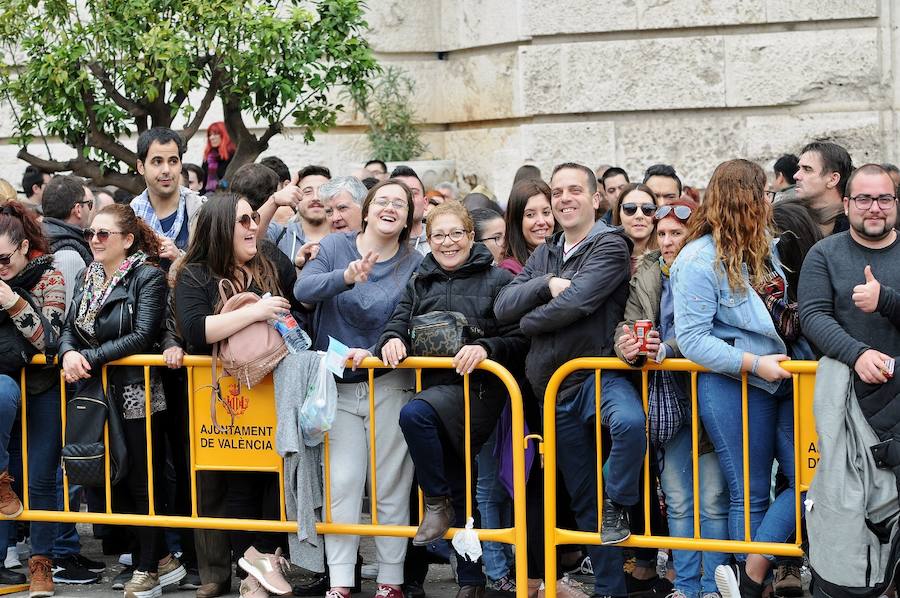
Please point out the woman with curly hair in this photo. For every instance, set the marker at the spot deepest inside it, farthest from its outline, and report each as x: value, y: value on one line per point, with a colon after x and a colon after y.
x: 733, y: 316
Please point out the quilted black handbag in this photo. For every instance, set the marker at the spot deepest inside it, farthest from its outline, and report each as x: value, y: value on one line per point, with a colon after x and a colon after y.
x: 439, y: 333
x: 83, y: 454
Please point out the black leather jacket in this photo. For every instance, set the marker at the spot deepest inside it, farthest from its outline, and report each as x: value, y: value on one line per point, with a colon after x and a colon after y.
x: 129, y: 323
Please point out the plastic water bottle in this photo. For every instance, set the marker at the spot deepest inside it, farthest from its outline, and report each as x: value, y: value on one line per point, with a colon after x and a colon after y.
x: 294, y: 336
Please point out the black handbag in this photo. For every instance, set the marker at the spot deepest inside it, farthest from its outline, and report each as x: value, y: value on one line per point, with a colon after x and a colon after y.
x: 87, y: 412
x: 439, y: 333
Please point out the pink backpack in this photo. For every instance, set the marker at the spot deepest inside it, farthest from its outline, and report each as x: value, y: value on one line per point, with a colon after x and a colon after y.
x: 249, y: 354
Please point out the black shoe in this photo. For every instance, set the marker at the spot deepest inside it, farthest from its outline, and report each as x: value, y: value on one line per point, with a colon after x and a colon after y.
x: 67, y: 570
x: 124, y: 576
x: 191, y: 580
x: 615, y: 527
x: 413, y: 589
x: 733, y: 582
x: 90, y: 565
x: 10, y: 578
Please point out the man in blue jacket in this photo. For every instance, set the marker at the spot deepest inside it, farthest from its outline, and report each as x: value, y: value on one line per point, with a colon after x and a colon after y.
x: 569, y: 299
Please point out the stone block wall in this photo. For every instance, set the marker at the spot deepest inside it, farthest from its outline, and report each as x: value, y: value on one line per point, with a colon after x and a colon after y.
x: 627, y: 82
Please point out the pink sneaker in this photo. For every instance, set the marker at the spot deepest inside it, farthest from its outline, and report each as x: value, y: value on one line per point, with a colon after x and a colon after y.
x: 267, y: 571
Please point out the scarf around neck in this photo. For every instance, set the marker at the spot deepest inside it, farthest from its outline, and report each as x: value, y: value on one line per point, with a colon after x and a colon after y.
x: 97, y: 289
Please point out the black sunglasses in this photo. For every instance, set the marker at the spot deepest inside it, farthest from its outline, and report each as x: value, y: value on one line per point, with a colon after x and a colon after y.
x: 681, y: 212
x: 5, y: 259
x: 246, y: 218
x: 102, y: 234
x: 631, y: 209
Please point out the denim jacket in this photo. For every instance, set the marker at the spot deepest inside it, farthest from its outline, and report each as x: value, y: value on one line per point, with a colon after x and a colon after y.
x: 714, y: 324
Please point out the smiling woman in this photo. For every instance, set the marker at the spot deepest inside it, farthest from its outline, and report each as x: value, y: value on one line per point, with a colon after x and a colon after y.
x: 354, y: 284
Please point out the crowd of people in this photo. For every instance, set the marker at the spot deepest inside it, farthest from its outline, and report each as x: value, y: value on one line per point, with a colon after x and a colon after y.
x: 753, y: 270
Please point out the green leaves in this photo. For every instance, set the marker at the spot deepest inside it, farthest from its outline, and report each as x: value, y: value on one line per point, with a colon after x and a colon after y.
x: 103, y: 69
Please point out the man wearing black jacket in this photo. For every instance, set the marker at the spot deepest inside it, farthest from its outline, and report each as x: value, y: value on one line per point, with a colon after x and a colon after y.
x: 568, y: 300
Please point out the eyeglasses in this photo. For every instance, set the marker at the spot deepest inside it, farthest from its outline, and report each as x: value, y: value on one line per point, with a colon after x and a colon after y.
x: 102, y: 234
x: 246, y: 218
x: 88, y: 202
x: 397, y: 204
x: 498, y: 238
x: 631, y: 209
x: 864, y: 202
x: 681, y: 212
x: 5, y: 259
x: 454, y: 236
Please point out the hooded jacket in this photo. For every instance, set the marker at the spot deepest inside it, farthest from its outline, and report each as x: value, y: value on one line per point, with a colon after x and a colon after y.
x: 580, y: 321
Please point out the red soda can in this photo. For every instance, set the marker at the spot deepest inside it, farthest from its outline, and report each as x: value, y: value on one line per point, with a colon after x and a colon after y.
x: 641, y: 329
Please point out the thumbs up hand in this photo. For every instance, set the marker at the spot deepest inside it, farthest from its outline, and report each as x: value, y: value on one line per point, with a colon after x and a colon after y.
x: 865, y: 296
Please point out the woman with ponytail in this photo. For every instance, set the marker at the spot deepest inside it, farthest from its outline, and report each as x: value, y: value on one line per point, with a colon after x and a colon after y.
x: 32, y: 305
x: 117, y: 310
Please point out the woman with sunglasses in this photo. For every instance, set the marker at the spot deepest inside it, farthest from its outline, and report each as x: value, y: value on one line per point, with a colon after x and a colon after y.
x: 732, y: 316
x: 354, y: 284
x: 651, y: 298
x: 458, y: 275
x: 637, y: 204
x: 117, y: 311
x: 231, y: 250
x: 32, y: 307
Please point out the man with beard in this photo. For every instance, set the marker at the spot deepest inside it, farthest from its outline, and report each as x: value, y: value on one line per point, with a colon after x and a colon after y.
x: 309, y: 225
x: 849, y: 309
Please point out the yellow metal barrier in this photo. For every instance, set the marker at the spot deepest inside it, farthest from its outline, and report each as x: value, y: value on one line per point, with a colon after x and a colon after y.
x: 249, y: 446
x: 803, y: 374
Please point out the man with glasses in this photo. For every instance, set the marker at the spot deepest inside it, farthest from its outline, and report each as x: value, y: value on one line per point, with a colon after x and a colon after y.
x: 849, y: 309
x: 664, y: 182
x: 67, y: 205
x: 822, y: 174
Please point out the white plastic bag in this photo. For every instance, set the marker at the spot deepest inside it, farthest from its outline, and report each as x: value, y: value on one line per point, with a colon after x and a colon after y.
x: 466, y: 541
x: 319, y: 407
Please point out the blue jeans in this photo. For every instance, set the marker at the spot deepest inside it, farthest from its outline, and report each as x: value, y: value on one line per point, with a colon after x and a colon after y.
x: 771, y: 429
x: 677, y: 479
x: 576, y: 455
x: 495, y: 508
x: 44, y: 445
x: 440, y: 473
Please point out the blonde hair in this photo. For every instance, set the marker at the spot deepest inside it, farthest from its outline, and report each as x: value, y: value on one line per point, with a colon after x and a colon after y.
x: 453, y: 208
x: 735, y: 212
x: 7, y: 192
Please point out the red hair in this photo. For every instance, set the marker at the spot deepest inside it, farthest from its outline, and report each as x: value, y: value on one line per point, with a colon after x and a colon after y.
x: 226, y: 148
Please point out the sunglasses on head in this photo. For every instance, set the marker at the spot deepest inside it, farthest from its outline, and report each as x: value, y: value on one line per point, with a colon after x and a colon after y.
x: 102, y: 234
x: 246, y: 218
x: 681, y: 212
x: 630, y: 209
x: 6, y: 259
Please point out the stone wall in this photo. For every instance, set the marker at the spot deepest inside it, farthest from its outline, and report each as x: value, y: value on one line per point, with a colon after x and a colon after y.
x: 626, y: 82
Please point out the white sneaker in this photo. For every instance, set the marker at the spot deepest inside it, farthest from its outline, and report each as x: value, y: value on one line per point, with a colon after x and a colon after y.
x: 12, y: 558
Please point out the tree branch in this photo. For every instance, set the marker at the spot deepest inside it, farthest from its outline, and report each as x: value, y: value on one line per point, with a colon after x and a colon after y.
x: 130, y: 106
x: 101, y: 140
x: 208, y: 97
x: 86, y: 168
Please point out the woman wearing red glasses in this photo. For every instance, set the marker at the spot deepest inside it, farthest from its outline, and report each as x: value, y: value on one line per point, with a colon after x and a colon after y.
x: 637, y: 204
x: 231, y: 250
x: 32, y: 304
x: 117, y: 311
x: 651, y: 298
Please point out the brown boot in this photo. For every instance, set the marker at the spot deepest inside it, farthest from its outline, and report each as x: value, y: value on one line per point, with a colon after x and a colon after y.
x: 41, y: 577
x: 10, y: 505
x: 437, y: 520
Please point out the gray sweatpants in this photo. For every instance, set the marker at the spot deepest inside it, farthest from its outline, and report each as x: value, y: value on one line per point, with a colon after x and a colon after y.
x: 349, y: 459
